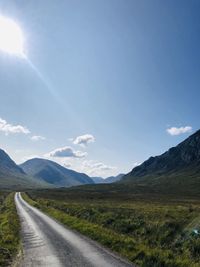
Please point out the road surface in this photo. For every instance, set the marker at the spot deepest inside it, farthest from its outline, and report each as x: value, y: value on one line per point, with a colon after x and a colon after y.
x: 48, y: 243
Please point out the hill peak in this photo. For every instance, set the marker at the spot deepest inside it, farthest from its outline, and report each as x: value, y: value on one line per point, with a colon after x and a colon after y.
x: 53, y: 173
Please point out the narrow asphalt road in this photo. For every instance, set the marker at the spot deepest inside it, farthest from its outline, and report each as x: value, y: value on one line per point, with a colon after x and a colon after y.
x: 48, y: 243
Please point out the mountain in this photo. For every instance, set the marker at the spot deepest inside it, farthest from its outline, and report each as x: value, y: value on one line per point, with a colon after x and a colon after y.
x: 108, y: 180
x: 8, y: 165
x: 14, y: 177
x: 98, y: 180
x: 113, y: 179
x: 54, y: 174
x: 176, y: 169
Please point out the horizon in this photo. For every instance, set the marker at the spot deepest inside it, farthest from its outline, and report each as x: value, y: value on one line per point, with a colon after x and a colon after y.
x: 49, y: 159
x: 118, y: 84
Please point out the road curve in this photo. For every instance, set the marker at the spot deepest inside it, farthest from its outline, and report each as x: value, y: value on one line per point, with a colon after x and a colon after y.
x: 48, y: 243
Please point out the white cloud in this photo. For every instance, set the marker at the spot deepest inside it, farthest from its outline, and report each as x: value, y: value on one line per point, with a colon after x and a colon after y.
x: 8, y: 128
x: 67, y: 152
x: 84, y: 139
x: 96, y: 168
x: 37, y: 138
x: 180, y: 130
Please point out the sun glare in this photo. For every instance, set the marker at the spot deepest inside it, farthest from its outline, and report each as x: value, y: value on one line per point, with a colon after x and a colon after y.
x: 11, y: 37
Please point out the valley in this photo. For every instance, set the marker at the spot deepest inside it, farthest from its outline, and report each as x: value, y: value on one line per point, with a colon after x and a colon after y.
x: 150, y: 216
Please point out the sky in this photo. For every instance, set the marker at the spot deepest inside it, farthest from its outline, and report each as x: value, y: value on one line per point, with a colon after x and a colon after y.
x: 103, y: 85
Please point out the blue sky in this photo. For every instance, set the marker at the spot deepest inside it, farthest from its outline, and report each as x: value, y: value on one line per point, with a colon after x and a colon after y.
x: 122, y: 72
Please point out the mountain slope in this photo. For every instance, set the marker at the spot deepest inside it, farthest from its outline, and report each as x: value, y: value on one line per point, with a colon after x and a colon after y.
x: 8, y: 165
x: 13, y: 177
x: 53, y: 173
x: 113, y: 179
x: 176, y: 169
x: 108, y: 180
x: 176, y: 158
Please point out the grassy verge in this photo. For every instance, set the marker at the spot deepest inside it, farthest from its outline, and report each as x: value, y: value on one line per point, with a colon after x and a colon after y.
x: 9, y: 229
x: 150, y: 234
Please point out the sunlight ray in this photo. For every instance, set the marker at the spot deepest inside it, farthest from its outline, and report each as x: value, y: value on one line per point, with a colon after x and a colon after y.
x: 44, y: 81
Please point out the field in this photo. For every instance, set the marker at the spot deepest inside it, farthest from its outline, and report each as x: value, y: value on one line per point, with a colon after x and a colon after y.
x: 9, y: 229
x: 147, y: 230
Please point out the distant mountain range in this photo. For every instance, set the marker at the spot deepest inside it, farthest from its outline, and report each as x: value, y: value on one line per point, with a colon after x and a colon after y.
x: 53, y: 173
x: 40, y: 173
x: 178, y: 169
x: 108, y: 180
x: 37, y: 173
x: 13, y: 177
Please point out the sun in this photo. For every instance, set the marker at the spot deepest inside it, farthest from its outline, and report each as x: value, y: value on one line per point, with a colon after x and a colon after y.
x: 11, y: 37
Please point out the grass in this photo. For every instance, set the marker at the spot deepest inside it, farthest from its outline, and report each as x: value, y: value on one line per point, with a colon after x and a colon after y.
x: 150, y: 232
x: 9, y: 229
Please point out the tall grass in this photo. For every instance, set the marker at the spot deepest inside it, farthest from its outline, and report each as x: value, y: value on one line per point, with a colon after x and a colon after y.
x: 9, y: 229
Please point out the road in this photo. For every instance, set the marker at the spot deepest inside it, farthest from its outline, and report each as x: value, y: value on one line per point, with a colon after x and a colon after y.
x: 48, y: 243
